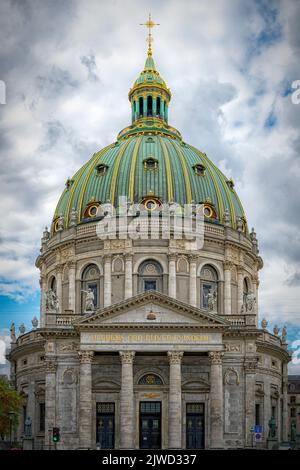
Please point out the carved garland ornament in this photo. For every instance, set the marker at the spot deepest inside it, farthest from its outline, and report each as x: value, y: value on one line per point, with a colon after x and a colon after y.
x: 51, y: 366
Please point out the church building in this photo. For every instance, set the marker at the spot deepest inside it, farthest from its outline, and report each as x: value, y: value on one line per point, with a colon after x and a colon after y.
x: 150, y: 342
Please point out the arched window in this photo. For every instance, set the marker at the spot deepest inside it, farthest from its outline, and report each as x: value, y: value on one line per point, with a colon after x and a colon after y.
x: 158, y: 106
x: 90, y: 280
x: 150, y: 379
x: 141, y: 106
x: 53, y: 284
x: 150, y: 276
x: 245, y: 290
x: 149, y: 106
x: 209, y: 288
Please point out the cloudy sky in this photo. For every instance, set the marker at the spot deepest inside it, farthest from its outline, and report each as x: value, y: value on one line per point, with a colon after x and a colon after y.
x: 230, y: 65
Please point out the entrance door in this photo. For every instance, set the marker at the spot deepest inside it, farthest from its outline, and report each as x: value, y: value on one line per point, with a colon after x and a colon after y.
x: 105, y: 425
x: 150, y: 425
x: 195, y: 426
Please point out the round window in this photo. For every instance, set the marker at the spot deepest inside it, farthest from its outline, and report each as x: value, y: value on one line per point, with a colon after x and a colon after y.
x: 92, y: 212
x: 208, y: 212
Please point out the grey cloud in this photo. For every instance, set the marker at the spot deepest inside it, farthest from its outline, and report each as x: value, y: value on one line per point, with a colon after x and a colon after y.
x: 89, y: 62
x: 55, y: 82
x: 294, y: 280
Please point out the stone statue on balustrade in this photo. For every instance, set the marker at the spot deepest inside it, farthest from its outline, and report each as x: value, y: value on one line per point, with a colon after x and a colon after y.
x: 13, y: 333
x: 89, y: 300
x: 52, y: 303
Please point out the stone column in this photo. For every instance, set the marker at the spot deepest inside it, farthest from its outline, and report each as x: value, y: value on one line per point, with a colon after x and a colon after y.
x: 107, y: 280
x: 50, y: 399
x: 240, y: 279
x: 43, y: 287
x: 175, y: 406
x: 72, y: 286
x: 250, y: 368
x: 127, y: 428
x: 128, y: 276
x: 172, y: 275
x: 227, y: 288
x: 216, y: 400
x: 284, y: 402
x: 255, y: 283
x: 193, y: 281
x: 85, y: 399
x: 59, y: 271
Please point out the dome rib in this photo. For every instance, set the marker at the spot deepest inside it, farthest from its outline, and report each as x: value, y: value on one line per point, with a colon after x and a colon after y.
x: 131, y: 195
x: 116, y: 170
x: 183, y: 163
x: 170, y: 191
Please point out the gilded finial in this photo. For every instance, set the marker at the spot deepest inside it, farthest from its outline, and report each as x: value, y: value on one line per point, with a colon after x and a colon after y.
x: 149, y: 24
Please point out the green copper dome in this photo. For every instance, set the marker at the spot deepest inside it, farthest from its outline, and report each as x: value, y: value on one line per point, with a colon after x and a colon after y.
x: 149, y: 159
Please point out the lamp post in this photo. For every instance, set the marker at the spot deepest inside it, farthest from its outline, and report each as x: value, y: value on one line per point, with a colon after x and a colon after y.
x: 11, y: 415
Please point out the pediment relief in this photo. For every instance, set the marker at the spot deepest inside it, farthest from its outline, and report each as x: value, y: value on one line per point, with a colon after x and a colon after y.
x: 152, y: 308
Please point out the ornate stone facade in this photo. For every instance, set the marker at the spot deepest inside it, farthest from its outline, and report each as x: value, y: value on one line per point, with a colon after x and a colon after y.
x: 116, y: 311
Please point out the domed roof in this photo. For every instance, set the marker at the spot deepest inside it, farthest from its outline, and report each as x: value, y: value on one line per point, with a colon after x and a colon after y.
x: 149, y: 159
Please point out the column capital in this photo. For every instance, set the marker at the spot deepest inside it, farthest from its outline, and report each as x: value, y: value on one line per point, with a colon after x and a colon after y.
x: 193, y: 258
x: 127, y: 356
x: 59, y: 269
x: 240, y: 269
x: 107, y: 258
x: 228, y: 265
x: 86, y: 357
x: 175, y: 357
x: 128, y: 256
x: 172, y: 256
x: 216, y: 357
x: 51, y: 366
x: 71, y: 264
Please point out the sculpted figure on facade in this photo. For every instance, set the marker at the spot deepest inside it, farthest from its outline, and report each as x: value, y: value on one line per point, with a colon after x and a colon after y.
x: 212, y: 300
x: 249, y: 303
x: 52, y: 303
x: 89, y: 300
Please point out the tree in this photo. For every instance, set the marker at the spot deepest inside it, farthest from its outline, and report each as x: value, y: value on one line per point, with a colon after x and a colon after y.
x: 10, y: 402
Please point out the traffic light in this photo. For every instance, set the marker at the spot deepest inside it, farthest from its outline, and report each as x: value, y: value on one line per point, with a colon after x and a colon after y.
x: 55, y: 435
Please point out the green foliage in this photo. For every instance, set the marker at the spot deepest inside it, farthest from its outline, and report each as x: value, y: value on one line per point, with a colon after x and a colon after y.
x: 10, y: 401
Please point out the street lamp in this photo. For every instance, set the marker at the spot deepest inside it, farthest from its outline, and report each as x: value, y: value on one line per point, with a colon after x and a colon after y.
x: 11, y: 415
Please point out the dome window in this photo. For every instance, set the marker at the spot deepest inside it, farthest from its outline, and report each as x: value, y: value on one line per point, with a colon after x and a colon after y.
x: 91, y: 210
x: 209, y: 210
x: 149, y: 140
x: 151, y: 203
x: 199, y: 169
x: 150, y: 164
x: 101, y: 169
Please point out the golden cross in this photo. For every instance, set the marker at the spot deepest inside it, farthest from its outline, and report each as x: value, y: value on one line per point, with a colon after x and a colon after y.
x: 149, y: 24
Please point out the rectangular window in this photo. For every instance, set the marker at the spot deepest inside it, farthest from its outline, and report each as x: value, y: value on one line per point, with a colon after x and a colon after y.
x: 257, y: 414
x: 293, y: 399
x: 42, y: 417
x: 206, y: 288
x: 105, y: 425
x: 149, y: 285
x: 273, y: 411
x: 150, y: 407
x: 195, y: 408
x: 293, y: 412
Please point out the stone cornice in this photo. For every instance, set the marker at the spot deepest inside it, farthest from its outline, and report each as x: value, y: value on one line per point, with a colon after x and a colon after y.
x: 264, y: 346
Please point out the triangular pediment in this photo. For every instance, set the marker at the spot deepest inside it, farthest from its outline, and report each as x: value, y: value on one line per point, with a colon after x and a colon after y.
x: 152, y: 309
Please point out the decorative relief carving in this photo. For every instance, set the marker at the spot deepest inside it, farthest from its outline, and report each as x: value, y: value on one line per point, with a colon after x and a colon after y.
x: 250, y: 364
x: 50, y: 347
x: 117, y: 244
x: 233, y: 347
x: 175, y: 357
x: 231, y: 377
x: 127, y: 356
x: 216, y: 357
x: 68, y: 347
x: 86, y: 357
